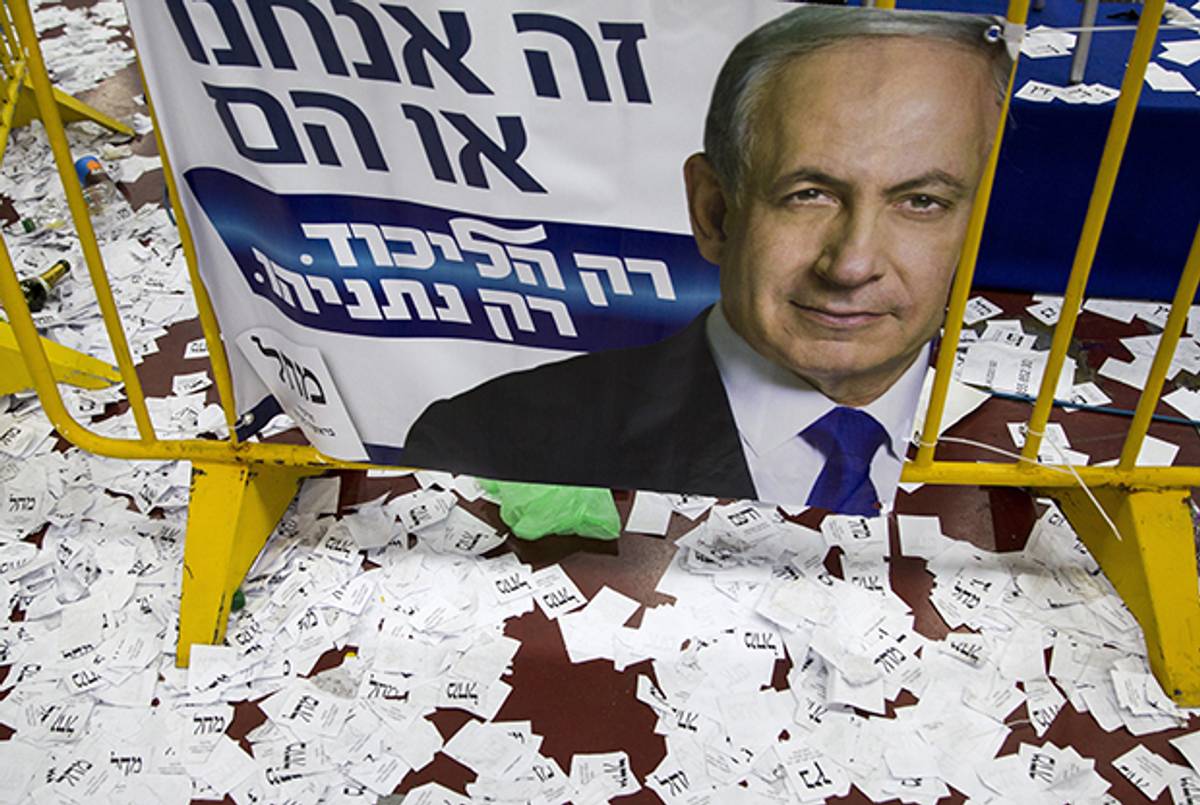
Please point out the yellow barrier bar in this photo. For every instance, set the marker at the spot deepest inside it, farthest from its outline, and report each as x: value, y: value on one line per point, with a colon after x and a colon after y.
x: 57, y: 138
x: 1018, y: 12
x: 10, y: 54
x: 1093, y: 223
x: 885, y: 3
x: 1148, y: 401
x: 1153, y: 568
x: 69, y: 366
x: 208, y: 317
x: 231, y: 513
x: 968, y: 473
x: 12, y: 96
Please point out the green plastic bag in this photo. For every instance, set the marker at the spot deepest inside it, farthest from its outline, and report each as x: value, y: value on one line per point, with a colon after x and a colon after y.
x: 535, y: 510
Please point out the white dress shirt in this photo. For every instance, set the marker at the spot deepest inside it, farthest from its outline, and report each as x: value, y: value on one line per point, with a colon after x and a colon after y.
x: 771, y: 406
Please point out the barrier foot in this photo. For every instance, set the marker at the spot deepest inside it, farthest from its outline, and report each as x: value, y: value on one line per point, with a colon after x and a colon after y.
x: 69, y: 366
x: 1153, y: 569
x: 232, y: 510
x: 70, y: 108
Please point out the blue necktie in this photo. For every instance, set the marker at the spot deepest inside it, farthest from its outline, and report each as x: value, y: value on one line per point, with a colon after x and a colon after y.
x: 849, y: 439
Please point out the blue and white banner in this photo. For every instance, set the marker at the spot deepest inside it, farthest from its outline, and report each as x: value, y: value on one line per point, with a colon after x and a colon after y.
x: 429, y: 195
x: 481, y: 237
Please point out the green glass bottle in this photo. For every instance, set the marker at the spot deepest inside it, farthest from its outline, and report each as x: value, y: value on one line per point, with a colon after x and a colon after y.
x: 37, y: 289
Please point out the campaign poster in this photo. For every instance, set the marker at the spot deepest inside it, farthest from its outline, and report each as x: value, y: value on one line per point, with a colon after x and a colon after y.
x: 681, y: 245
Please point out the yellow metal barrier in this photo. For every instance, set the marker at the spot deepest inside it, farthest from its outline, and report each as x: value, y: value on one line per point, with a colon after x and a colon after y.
x: 239, y: 490
x: 1152, y: 562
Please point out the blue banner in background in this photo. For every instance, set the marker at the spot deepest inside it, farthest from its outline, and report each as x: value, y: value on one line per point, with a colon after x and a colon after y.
x: 396, y: 269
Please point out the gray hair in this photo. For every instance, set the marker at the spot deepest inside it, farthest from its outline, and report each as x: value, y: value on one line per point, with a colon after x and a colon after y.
x: 763, y: 53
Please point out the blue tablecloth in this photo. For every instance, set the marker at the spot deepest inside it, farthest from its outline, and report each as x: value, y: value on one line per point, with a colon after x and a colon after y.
x: 1049, y: 161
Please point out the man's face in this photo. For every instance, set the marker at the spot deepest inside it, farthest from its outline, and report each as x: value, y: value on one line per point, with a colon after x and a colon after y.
x: 836, y: 258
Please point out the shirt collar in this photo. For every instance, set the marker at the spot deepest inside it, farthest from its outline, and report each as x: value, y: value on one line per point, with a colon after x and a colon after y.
x: 772, y: 405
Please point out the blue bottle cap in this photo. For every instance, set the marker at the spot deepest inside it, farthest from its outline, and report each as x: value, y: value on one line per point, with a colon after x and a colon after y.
x: 86, y: 166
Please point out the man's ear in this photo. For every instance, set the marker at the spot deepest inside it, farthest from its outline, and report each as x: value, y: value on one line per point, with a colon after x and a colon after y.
x: 707, y: 206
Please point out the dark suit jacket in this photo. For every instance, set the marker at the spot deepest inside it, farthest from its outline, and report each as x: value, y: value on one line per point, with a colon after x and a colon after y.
x: 653, y: 417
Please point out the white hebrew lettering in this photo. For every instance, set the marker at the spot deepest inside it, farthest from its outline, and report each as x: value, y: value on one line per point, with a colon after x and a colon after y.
x: 447, y: 245
x: 370, y: 234
x: 541, y: 258
x: 395, y: 291
x: 365, y: 306
x: 558, y: 310
x: 592, y: 286
x: 338, y: 236
x: 453, y: 309
x: 422, y: 253
x: 285, y: 283
x: 325, y: 289
x: 520, y: 308
x: 468, y: 231
x: 515, y: 303
x: 660, y: 275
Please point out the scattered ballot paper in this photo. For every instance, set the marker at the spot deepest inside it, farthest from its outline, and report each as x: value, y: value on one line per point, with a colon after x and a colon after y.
x: 1094, y: 94
x: 650, y: 514
x: 190, y: 383
x: 1189, y: 746
x: 979, y: 309
x: 1011, y: 369
x: 1042, y: 42
x: 555, y: 593
x: 1054, y: 447
x: 1184, y: 51
x: 757, y: 639
x: 1164, y: 80
x: 1146, y: 771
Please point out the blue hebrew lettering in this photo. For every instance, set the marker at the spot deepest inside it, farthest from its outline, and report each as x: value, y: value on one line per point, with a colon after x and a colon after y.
x: 587, y: 58
x: 356, y: 119
x: 286, y: 150
x: 238, y: 51
x: 449, y: 55
x: 480, y: 145
x: 629, y: 61
x: 187, y: 31
x: 431, y: 141
x: 263, y: 12
x: 380, y: 65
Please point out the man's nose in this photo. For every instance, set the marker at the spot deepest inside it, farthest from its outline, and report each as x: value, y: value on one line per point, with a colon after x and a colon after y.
x: 852, y: 253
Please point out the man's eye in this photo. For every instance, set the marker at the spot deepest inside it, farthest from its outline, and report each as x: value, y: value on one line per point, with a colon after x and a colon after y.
x: 809, y: 195
x: 924, y: 203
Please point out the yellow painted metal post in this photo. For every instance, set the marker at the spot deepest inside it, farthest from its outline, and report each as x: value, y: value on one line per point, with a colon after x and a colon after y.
x: 10, y: 51
x: 204, y: 307
x: 12, y: 95
x: 1018, y: 12
x: 68, y: 366
x: 1093, y: 222
x: 57, y: 137
x: 232, y: 510
x: 1180, y: 306
x: 1153, y: 568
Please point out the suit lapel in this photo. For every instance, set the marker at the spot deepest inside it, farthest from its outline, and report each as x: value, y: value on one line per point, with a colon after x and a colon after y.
x: 707, y: 435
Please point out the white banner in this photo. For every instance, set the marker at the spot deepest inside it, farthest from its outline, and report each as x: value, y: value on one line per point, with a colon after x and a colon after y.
x: 395, y: 203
